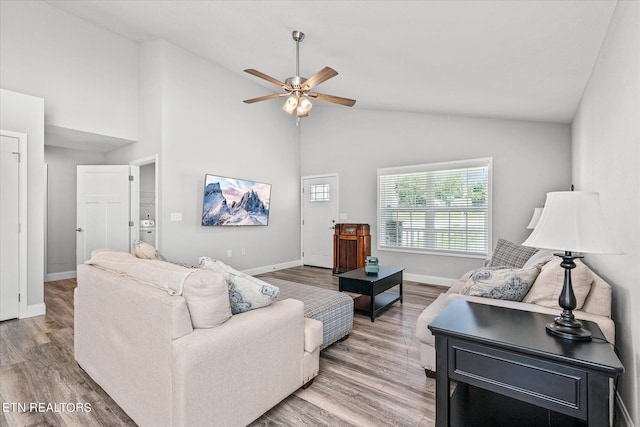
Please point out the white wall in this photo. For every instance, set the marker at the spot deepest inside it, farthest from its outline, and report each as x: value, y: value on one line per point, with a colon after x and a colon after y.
x: 606, y: 158
x: 87, y: 75
x: 196, y: 115
x: 25, y: 114
x: 150, y: 106
x: 150, y: 113
x: 61, y: 209
x: 529, y: 159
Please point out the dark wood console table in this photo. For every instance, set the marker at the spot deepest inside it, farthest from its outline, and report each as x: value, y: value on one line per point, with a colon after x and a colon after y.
x: 499, y: 355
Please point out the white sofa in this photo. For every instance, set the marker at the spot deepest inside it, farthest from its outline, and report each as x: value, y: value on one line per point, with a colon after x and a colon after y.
x: 138, y: 343
x: 594, y: 291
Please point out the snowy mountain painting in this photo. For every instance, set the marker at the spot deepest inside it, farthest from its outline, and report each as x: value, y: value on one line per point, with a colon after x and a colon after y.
x: 229, y: 201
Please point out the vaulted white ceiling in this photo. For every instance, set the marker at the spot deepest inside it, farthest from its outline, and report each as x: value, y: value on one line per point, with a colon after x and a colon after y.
x: 526, y: 60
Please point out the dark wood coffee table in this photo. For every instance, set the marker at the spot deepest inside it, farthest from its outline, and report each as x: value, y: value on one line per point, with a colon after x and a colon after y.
x: 373, y: 299
x: 510, y: 371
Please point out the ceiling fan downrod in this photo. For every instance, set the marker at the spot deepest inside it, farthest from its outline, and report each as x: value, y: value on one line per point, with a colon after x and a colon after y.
x: 298, y: 36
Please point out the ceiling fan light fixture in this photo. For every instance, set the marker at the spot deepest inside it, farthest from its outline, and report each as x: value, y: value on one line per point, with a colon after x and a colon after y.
x: 304, y: 106
x: 290, y: 104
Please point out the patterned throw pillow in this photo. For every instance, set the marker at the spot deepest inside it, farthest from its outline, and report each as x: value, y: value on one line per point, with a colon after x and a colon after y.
x: 245, y: 292
x: 509, y: 284
x: 510, y: 254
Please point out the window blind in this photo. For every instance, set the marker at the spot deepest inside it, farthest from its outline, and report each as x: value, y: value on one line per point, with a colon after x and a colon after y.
x: 438, y: 207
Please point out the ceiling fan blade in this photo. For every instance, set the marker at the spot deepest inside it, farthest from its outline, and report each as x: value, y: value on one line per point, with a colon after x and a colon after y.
x: 266, y: 77
x: 335, y: 99
x: 264, y: 98
x: 323, y: 75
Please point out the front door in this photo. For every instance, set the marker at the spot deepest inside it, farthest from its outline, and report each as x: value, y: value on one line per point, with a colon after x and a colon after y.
x: 319, y: 216
x: 103, y: 209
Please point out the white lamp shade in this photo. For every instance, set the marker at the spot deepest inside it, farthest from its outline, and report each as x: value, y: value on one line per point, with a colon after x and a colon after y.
x: 572, y: 221
x: 535, y: 218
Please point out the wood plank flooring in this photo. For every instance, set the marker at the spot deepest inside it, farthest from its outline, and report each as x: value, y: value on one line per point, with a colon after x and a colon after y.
x: 373, y: 378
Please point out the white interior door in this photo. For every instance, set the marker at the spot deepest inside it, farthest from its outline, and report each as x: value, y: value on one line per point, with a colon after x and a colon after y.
x: 9, y: 227
x: 319, y: 215
x: 102, y: 209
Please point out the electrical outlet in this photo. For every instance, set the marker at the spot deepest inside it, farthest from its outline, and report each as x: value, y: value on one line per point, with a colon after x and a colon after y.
x: 229, y: 253
x: 243, y: 251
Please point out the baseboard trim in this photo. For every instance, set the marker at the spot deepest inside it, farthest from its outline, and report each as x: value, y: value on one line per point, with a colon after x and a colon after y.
x: 63, y: 275
x: 430, y: 280
x: 35, y: 310
x: 628, y: 422
x: 273, y: 267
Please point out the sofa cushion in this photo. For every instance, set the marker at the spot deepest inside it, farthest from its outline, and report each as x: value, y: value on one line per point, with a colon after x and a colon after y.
x: 507, y: 254
x: 245, y: 292
x: 548, y: 286
x: 509, y: 284
x: 207, y: 297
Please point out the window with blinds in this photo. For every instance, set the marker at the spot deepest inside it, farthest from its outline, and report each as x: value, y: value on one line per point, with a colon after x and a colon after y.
x: 443, y: 208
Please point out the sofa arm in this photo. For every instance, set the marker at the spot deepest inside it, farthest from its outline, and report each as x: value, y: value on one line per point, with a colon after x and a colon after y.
x: 312, y: 335
x: 312, y: 343
x: 233, y: 373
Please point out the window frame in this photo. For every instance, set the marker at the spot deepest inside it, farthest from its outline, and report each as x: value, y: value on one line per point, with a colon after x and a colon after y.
x: 326, y: 191
x: 431, y: 167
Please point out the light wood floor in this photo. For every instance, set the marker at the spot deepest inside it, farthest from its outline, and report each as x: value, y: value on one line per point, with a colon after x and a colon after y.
x: 373, y: 378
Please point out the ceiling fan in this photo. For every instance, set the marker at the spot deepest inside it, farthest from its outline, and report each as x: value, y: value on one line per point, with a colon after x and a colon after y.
x: 298, y: 89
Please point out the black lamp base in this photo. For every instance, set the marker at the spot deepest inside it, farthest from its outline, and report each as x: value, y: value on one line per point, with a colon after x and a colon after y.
x: 569, y: 332
x: 566, y: 325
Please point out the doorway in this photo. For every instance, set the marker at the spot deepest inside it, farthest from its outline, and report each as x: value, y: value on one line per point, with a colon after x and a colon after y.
x: 148, y: 200
x: 13, y: 224
x: 319, y: 216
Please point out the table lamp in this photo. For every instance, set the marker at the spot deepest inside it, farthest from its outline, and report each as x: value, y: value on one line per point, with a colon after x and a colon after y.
x: 535, y: 218
x: 571, y: 221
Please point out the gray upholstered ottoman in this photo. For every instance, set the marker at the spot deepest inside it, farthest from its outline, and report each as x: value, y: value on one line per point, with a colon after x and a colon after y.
x: 334, y: 309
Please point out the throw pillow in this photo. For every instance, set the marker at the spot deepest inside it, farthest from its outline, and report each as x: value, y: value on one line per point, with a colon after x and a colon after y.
x: 144, y: 250
x: 510, y: 254
x: 207, y: 297
x: 540, y: 258
x: 500, y: 283
x: 245, y: 292
x: 548, y: 286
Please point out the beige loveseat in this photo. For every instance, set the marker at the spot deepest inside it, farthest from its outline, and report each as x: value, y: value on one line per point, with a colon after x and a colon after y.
x: 138, y: 343
x: 593, y: 293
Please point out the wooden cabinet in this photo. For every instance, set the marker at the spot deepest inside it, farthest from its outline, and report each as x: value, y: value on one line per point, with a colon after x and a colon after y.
x: 351, y: 246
